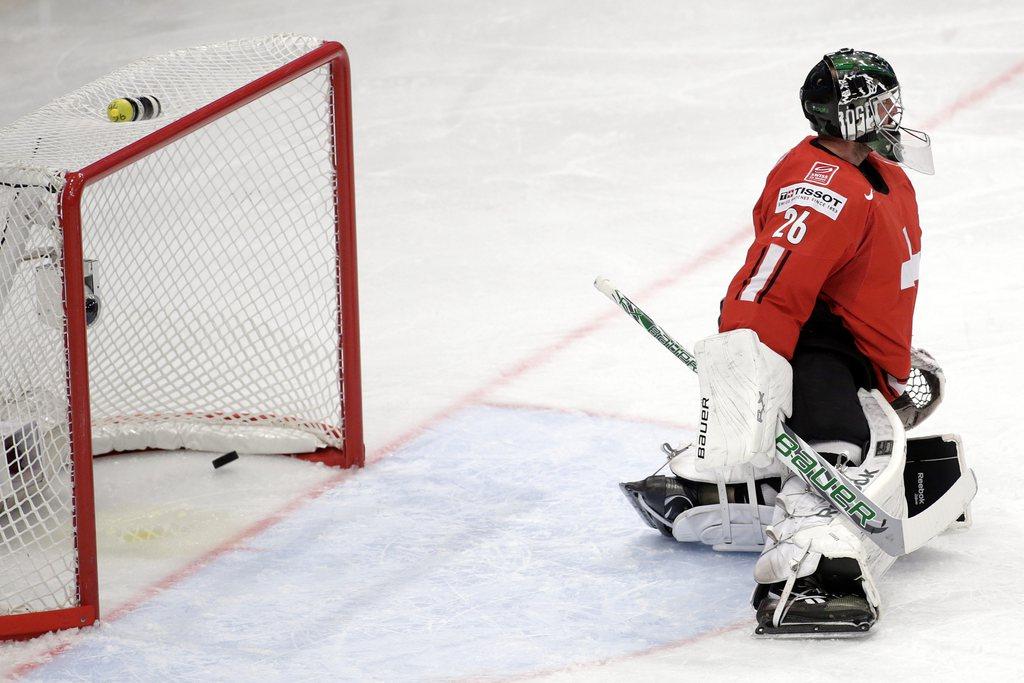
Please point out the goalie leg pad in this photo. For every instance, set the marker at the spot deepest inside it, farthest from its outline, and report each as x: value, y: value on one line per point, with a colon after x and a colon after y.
x: 732, y: 526
x: 807, y: 528
x: 734, y: 505
x: 934, y: 463
x: 745, y: 388
x: 728, y: 509
x: 694, y: 511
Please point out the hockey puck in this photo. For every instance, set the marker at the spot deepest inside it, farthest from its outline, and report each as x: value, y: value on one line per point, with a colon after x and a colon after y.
x: 222, y: 460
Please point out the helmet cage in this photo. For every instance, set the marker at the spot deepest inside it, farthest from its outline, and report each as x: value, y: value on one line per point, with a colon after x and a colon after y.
x: 895, y: 142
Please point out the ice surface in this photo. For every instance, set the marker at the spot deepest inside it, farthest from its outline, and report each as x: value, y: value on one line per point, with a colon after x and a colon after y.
x: 493, y: 569
x: 506, y: 154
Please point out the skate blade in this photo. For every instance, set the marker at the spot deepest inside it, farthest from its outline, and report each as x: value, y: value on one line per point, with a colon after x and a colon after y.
x: 827, y: 631
x: 737, y: 548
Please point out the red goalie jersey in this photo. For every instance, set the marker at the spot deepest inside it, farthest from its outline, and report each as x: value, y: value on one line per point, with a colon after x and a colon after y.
x: 824, y: 232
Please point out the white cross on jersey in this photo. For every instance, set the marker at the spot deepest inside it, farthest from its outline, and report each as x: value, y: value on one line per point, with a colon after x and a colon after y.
x: 911, y: 268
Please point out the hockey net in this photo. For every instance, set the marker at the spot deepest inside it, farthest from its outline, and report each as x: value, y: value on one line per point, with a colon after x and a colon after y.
x: 181, y: 282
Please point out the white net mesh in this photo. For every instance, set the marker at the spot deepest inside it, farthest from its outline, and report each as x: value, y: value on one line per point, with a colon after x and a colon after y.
x: 214, y: 262
x: 73, y: 131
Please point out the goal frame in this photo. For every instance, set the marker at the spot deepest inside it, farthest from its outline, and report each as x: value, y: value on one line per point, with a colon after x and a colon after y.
x: 352, y: 454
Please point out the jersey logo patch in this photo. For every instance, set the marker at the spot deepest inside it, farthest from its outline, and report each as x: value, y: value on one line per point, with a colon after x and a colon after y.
x: 821, y: 173
x: 826, y: 202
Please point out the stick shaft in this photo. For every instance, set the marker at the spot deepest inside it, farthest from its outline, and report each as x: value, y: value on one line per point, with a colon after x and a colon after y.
x: 605, y: 286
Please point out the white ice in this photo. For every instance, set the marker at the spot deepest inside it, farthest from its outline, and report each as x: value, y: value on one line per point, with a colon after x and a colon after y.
x: 507, y: 153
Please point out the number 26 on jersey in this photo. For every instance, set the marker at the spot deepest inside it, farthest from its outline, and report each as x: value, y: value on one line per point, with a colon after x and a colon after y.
x: 794, y: 228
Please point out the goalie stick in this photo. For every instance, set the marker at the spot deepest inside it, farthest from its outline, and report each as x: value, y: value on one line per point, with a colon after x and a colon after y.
x: 894, y: 535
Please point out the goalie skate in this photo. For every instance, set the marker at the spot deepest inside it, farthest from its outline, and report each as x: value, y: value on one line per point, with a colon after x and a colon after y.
x: 659, y: 500
x: 811, y: 609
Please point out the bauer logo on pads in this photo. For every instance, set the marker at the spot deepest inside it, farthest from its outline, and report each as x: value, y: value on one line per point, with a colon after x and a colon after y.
x: 821, y: 173
x: 826, y: 202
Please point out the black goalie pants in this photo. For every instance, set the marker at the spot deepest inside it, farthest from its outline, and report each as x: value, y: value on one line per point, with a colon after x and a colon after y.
x: 827, y: 372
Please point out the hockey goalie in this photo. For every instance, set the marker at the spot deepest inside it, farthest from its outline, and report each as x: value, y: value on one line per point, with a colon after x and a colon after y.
x: 815, y: 331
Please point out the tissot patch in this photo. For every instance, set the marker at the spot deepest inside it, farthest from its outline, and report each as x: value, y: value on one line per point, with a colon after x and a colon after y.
x: 826, y: 202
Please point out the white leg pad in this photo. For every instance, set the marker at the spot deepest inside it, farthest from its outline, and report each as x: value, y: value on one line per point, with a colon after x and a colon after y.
x: 806, y: 528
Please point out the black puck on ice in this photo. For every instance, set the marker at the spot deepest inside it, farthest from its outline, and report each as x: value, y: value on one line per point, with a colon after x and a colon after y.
x: 222, y: 460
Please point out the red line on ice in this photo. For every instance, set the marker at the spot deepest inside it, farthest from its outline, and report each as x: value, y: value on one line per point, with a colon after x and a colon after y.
x: 546, y: 353
x: 234, y: 543
x: 605, y: 414
x: 639, y: 654
x: 971, y: 98
x: 474, y: 397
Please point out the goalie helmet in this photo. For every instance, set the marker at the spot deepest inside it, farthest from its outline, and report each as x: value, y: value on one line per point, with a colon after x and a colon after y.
x: 855, y: 95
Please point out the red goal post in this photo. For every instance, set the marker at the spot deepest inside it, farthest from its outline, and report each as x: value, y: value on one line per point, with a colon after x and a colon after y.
x: 223, y: 232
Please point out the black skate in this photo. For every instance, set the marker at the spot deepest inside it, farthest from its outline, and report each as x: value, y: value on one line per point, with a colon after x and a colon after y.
x: 812, y: 610
x: 659, y: 500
